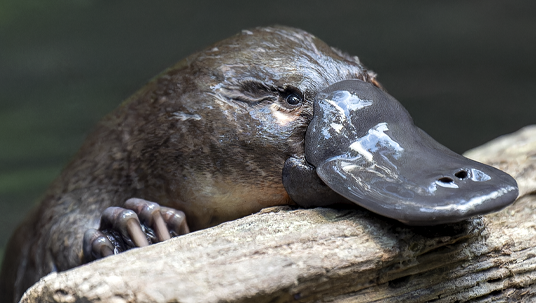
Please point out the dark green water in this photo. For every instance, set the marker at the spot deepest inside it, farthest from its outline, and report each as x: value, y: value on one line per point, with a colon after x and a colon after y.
x: 466, y: 71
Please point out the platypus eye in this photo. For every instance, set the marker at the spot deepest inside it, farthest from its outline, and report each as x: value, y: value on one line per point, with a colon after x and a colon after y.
x: 294, y: 99
x: 290, y: 98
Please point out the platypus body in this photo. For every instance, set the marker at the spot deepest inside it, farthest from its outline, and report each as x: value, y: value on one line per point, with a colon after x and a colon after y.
x: 271, y: 116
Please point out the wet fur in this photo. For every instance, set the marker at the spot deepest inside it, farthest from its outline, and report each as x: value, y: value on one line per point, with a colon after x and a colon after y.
x: 208, y: 136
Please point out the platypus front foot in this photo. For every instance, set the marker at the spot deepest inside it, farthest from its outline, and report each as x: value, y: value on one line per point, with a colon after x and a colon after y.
x: 139, y: 223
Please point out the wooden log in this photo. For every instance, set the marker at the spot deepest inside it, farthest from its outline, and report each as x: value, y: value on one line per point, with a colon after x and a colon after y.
x: 330, y: 255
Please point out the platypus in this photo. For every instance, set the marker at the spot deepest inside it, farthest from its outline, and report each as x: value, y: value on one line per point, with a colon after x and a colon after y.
x: 271, y: 116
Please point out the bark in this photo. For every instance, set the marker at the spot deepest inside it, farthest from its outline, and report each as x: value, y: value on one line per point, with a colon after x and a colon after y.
x: 334, y: 255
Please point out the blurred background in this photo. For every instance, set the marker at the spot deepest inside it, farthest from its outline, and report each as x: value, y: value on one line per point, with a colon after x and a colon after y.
x: 465, y: 70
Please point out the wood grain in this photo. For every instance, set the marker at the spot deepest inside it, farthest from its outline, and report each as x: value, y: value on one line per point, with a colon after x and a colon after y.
x: 330, y: 255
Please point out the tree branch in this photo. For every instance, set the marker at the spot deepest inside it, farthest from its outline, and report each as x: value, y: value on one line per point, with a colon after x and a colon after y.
x: 335, y: 255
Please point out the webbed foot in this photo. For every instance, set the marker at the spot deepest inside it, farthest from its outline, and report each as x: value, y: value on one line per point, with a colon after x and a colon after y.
x: 139, y: 223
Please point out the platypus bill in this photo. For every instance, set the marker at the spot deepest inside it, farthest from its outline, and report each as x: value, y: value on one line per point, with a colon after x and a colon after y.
x: 271, y: 116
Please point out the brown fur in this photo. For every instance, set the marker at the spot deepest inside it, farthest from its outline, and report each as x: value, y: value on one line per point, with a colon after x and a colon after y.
x: 209, y: 136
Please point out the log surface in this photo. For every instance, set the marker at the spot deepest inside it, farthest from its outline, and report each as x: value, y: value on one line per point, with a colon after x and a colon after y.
x: 331, y: 255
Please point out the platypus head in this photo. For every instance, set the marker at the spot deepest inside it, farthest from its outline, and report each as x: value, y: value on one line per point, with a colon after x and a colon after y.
x: 363, y: 145
x: 274, y: 116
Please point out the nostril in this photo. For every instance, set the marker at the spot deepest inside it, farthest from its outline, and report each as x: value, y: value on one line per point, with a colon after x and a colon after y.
x: 445, y: 180
x: 462, y: 174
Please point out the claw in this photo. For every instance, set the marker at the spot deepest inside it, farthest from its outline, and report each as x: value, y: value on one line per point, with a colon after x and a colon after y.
x: 127, y: 223
x: 96, y: 245
x: 176, y: 221
x: 149, y: 214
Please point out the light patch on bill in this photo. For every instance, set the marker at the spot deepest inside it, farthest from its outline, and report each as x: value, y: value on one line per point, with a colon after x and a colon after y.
x: 479, y: 176
x: 349, y: 167
x: 376, y: 140
x: 362, y: 150
x: 337, y: 127
x: 337, y: 107
x: 462, y: 207
x: 326, y: 134
x: 346, y: 102
x: 446, y: 184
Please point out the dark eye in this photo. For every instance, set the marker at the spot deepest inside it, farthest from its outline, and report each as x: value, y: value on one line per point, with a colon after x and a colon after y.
x: 294, y: 99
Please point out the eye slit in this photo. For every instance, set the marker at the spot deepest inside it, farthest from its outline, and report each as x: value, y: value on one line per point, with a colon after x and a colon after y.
x: 294, y: 99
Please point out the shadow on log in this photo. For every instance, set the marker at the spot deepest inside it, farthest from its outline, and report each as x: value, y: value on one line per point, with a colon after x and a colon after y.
x: 334, y: 255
